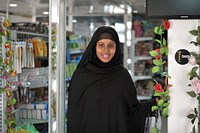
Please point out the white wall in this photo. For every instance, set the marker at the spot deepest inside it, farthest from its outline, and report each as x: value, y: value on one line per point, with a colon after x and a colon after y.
x: 181, y: 103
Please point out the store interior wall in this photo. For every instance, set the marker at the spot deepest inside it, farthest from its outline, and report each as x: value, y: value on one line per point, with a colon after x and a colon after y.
x: 181, y: 103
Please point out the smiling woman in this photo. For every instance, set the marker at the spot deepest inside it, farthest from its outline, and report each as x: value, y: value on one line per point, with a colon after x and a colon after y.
x: 102, y: 95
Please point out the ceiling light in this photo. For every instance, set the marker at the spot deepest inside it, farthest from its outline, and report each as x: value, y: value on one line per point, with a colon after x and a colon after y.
x: 122, y: 6
x: 45, y: 13
x: 13, y: 5
x: 74, y: 21
x: 135, y: 11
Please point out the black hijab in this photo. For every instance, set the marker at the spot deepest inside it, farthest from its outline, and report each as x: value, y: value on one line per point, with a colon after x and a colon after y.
x: 104, y: 32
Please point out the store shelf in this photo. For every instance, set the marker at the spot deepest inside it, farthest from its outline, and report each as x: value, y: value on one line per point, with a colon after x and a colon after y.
x: 144, y: 97
x: 137, y: 58
x: 142, y: 77
x: 140, y: 66
x: 138, y: 39
x: 76, y: 51
x: 37, y: 85
x: 33, y: 121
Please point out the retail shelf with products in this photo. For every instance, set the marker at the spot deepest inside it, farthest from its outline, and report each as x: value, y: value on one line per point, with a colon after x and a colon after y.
x: 76, y: 46
x: 31, y: 63
x: 141, y: 65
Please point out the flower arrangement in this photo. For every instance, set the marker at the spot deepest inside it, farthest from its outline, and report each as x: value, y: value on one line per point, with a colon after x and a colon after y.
x: 7, y: 73
x: 161, y: 91
x: 194, y: 77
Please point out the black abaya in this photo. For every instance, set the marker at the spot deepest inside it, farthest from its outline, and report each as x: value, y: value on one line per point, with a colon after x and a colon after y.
x: 104, y: 99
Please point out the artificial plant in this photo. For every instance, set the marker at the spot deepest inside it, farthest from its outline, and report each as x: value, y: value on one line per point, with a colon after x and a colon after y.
x: 160, y: 90
x: 7, y: 73
x: 194, y: 77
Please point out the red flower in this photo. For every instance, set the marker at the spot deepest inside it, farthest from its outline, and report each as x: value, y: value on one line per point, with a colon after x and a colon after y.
x: 159, y: 55
x: 7, y: 45
x: 166, y: 24
x: 7, y: 62
x: 158, y: 87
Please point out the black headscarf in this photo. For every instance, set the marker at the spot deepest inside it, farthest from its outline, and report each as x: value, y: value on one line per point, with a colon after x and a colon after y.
x: 102, y: 97
x: 104, y: 32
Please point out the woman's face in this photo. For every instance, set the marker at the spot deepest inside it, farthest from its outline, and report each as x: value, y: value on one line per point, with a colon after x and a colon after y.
x: 105, y: 50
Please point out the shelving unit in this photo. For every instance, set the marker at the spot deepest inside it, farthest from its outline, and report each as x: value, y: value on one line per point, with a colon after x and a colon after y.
x: 36, y: 80
x: 76, y: 46
x: 140, y: 67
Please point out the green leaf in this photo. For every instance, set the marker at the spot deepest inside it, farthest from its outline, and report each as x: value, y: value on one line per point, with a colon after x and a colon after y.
x: 154, y: 130
x: 195, y: 43
x: 161, y: 30
x: 158, y: 94
x: 198, y: 39
x: 156, y: 30
x: 164, y: 41
x: 194, y: 32
x: 165, y: 112
x: 162, y: 50
x: 153, y: 53
x: 2, y: 90
x: 192, y: 94
x: 166, y: 93
x: 198, y: 29
x: 160, y: 103
x: 157, y: 62
x: 194, y: 69
x: 13, y: 101
x: 191, y: 116
x: 155, y: 69
x: 154, y: 108
x: 158, y: 41
x: 166, y: 104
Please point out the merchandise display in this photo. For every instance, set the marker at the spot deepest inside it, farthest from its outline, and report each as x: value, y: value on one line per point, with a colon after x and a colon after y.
x: 141, y: 69
x: 31, y: 63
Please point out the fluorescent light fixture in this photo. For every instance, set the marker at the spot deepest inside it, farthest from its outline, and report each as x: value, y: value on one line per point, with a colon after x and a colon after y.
x: 74, y: 21
x: 45, y: 13
x: 135, y: 11
x: 128, y: 43
x: 91, y: 9
x: 129, y: 61
x: 128, y: 37
x: 118, y: 10
x: 129, y: 25
x: 13, y: 5
x: 120, y: 27
x: 122, y: 6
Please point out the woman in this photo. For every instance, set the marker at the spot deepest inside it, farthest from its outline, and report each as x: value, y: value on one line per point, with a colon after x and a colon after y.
x: 102, y: 95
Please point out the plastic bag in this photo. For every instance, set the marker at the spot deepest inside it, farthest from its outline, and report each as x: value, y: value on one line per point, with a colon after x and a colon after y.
x: 26, y: 128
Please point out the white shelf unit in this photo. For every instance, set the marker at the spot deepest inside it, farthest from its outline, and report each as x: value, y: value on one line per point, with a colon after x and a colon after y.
x: 22, y: 36
x: 139, y: 58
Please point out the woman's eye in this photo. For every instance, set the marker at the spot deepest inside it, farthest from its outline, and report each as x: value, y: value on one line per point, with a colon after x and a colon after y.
x: 101, y: 45
x: 110, y: 45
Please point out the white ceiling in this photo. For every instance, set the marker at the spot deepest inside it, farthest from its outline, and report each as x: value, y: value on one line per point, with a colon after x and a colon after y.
x: 35, y: 8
